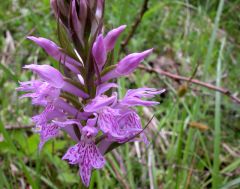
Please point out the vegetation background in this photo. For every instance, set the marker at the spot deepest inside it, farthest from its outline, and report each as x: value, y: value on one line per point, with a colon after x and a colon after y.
x: 195, y: 135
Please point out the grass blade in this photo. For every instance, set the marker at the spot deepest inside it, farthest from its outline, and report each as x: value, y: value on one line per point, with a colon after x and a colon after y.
x: 213, y: 36
x: 9, y: 72
x: 217, y: 129
x: 231, y: 184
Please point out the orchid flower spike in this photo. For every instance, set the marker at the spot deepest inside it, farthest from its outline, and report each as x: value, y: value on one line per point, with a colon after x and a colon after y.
x: 79, y: 97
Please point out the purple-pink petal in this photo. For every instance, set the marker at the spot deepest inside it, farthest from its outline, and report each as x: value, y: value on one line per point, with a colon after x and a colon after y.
x: 134, y: 101
x: 144, y: 92
x: 76, y: 24
x: 130, y: 126
x: 100, y: 102
x: 29, y: 85
x: 99, y: 52
x: 96, y: 158
x: 102, y: 88
x: 49, y: 113
x: 126, y: 66
x: 110, y: 75
x: 112, y: 37
x: 85, y: 170
x: 73, y: 153
x: 69, y: 127
x: 70, y: 130
x: 87, y: 156
x: 134, y: 97
x: 92, y: 121
x: 129, y: 63
x: 91, y: 158
x: 48, y: 74
x: 120, y: 127
x: 47, y: 132
x: 89, y: 132
x: 54, y: 51
x: 74, y: 90
x: 107, y: 120
x: 68, y: 122
x: 41, y: 92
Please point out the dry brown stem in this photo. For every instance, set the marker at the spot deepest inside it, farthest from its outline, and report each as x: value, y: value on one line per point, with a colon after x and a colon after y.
x: 135, y: 25
x: 224, y: 91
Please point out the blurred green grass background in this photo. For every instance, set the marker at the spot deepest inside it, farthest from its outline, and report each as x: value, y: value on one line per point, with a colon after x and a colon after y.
x: 195, y: 138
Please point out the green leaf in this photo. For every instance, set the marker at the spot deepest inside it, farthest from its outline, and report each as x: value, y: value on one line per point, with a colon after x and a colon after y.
x: 68, y: 178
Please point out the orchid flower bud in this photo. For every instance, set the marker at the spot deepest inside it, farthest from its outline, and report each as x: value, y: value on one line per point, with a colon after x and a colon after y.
x: 78, y: 20
x: 99, y: 10
x: 61, y: 10
x: 76, y: 23
x: 99, y: 52
x: 54, y: 51
x: 112, y: 37
x: 127, y: 65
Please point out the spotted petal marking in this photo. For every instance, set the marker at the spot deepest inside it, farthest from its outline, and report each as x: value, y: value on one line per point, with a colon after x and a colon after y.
x: 92, y: 158
x: 119, y: 127
x: 88, y: 156
x: 130, y: 125
x: 94, y: 155
x: 74, y: 153
x: 107, y: 120
x: 85, y: 170
x: 47, y: 132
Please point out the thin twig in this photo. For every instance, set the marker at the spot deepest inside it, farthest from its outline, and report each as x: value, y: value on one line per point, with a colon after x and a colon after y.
x: 18, y: 127
x: 120, y: 178
x: 135, y: 25
x: 119, y: 159
x: 194, y: 81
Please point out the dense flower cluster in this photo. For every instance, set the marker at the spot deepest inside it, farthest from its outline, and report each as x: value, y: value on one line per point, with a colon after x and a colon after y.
x: 78, y: 98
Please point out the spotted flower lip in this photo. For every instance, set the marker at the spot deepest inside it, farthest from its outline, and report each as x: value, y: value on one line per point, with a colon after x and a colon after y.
x: 90, y: 112
x: 87, y: 156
